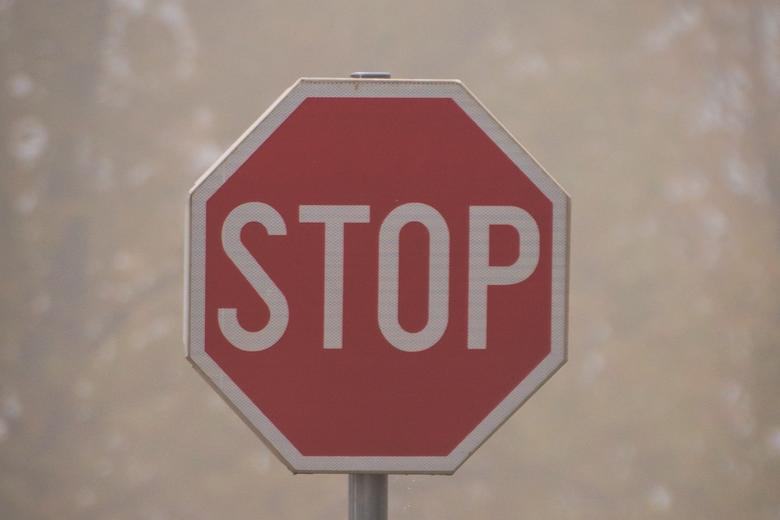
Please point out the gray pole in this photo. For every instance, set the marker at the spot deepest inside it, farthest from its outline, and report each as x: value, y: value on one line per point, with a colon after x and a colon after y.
x: 368, y: 491
x: 367, y: 496
x: 370, y: 75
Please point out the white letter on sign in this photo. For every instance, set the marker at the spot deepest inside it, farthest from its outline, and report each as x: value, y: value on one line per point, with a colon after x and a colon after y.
x: 235, y: 249
x: 482, y: 274
x: 438, y: 277
x: 334, y: 218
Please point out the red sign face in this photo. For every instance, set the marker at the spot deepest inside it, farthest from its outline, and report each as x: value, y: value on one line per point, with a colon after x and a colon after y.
x: 377, y: 276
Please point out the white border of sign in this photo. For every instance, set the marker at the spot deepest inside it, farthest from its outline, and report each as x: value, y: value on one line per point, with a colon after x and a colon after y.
x: 240, y: 151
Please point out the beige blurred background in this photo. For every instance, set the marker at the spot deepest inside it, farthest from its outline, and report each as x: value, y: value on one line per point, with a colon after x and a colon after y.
x: 662, y: 120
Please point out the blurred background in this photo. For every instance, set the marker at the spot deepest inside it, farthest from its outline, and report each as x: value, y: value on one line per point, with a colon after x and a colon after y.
x: 661, y: 119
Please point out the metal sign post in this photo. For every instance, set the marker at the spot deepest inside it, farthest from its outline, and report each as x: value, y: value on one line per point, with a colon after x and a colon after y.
x: 367, y: 496
x: 368, y: 491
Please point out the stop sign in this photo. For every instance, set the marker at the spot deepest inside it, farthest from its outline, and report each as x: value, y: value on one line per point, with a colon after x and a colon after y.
x: 377, y: 275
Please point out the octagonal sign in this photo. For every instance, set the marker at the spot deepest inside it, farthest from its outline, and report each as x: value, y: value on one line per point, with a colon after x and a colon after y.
x: 377, y: 276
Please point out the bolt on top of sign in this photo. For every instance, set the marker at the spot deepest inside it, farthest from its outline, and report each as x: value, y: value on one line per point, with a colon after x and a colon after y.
x: 377, y: 275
